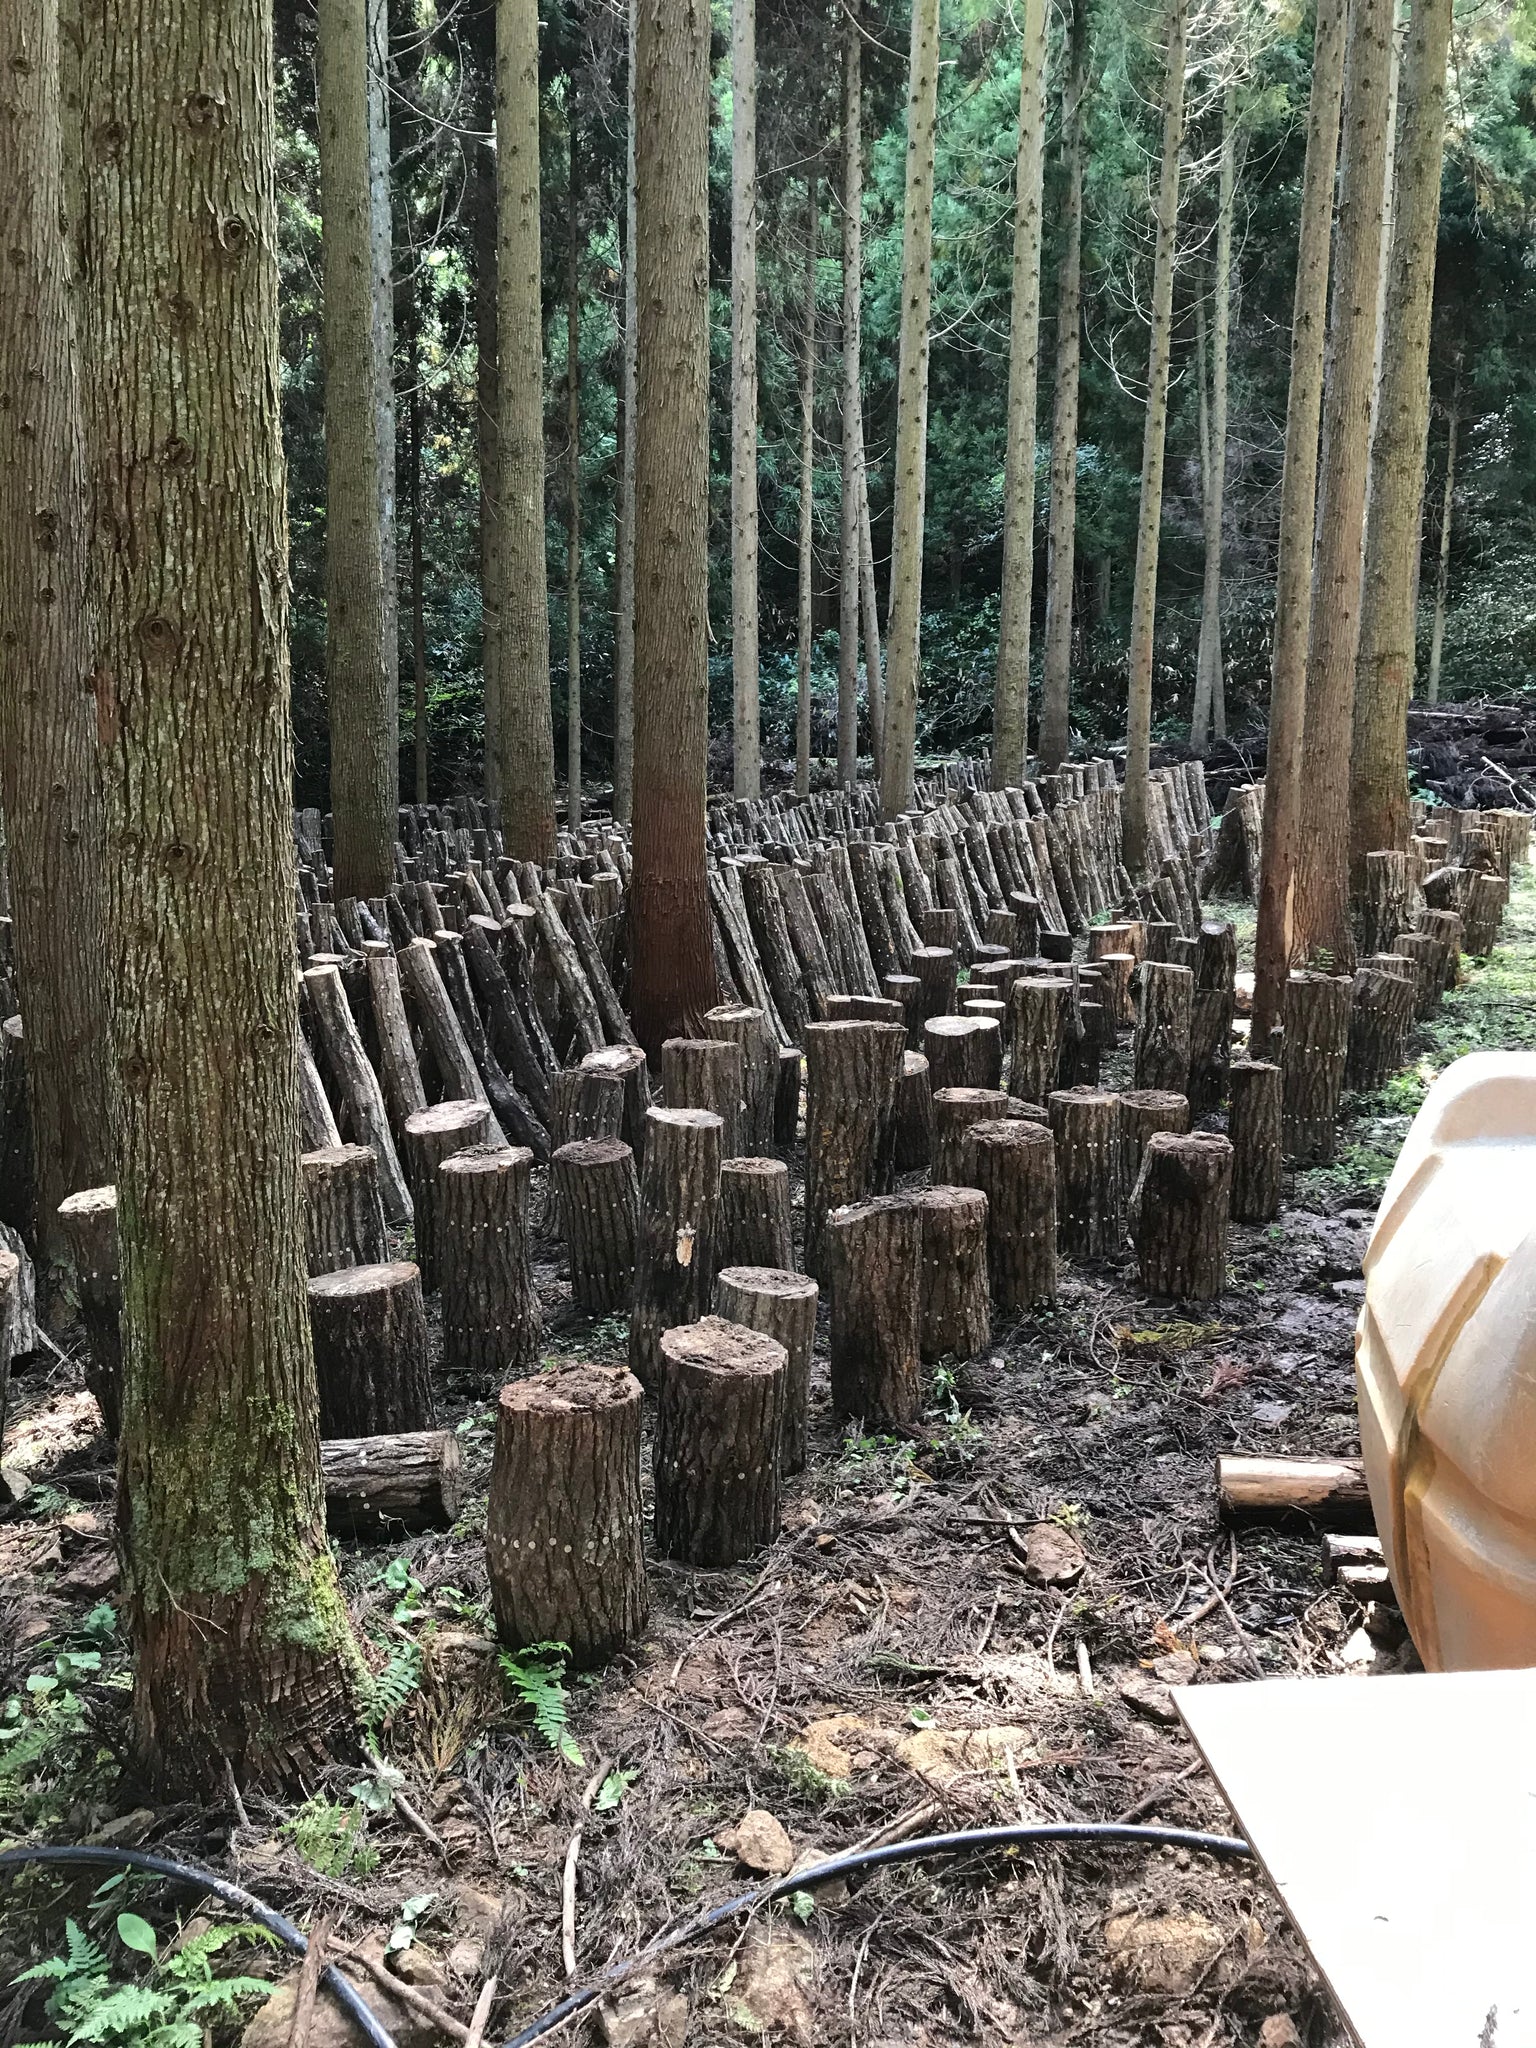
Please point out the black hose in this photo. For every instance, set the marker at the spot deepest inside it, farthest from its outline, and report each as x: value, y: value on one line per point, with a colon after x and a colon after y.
x: 232, y: 1895
x: 872, y: 1859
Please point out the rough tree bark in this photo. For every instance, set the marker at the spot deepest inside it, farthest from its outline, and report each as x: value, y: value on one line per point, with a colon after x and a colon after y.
x: 1010, y: 709
x: 672, y: 974
x: 525, y: 727
x: 364, y: 713
x: 1056, y: 681
x: 480, y: 172
x: 1138, y: 714
x: 747, y: 756
x: 1378, y: 794
x: 573, y: 479
x: 1322, y: 936
x: 1298, y: 504
x: 49, y: 776
x: 624, y: 625
x: 1443, y: 561
x: 852, y: 405
x: 243, y: 1646
x: 904, y: 616
x: 1210, y: 693
x: 806, y: 561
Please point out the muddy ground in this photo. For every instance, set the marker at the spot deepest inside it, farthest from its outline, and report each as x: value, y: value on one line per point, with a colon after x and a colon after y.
x: 974, y: 1624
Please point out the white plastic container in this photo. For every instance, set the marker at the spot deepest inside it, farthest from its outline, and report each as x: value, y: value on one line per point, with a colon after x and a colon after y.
x: 1445, y: 1360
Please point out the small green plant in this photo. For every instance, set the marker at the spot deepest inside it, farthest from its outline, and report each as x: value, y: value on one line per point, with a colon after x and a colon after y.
x: 806, y: 1778
x: 172, y: 2006
x: 333, y: 1838
x: 387, y: 1691
x: 537, y: 1676
x: 612, y: 1790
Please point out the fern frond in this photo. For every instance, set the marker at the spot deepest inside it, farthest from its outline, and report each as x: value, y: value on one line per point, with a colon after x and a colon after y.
x: 389, y: 1689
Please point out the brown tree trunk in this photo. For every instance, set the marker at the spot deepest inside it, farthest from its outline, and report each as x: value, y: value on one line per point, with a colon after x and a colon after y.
x: 805, y: 568
x: 874, y: 1251
x: 1298, y: 508
x: 492, y: 1324
x: 675, y: 1243
x: 564, y: 1531
x: 378, y: 1487
x: 418, y: 594
x: 243, y: 1647
x: 1144, y: 1112
x: 1178, y: 1214
x: 431, y: 1136
x: 1164, y: 1012
x: 719, y: 1422
x: 597, y: 1199
x: 525, y: 726
x: 1056, y: 682
x: 624, y: 624
x: 1443, y: 559
x: 1210, y: 693
x: 672, y: 972
x: 782, y: 1305
x: 49, y: 778
x: 956, y: 1315
x: 1013, y: 1162
x: 346, y: 1216
x: 1010, y: 708
x: 481, y: 180
x: 1138, y: 716
x: 747, y: 751
x: 851, y: 549
x: 572, y: 479
x: 705, y: 1073
x: 1322, y: 937
x: 1378, y: 800
x: 1316, y: 1047
x: 904, y: 616
x: 364, y: 714
x: 371, y: 1350
x: 1090, y: 1183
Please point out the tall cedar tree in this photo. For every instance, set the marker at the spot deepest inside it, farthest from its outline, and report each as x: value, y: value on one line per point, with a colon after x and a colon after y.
x: 1378, y: 804
x: 1443, y: 561
x: 364, y: 715
x: 480, y: 196
x: 805, y: 576
x: 573, y: 472
x: 852, y: 409
x: 624, y: 544
x: 1321, y: 935
x: 1138, y: 716
x: 1061, y: 554
x: 525, y: 735
x: 904, y: 618
x: 51, y: 786
x: 1298, y: 502
x: 747, y: 753
x: 241, y: 1634
x: 1010, y: 714
x: 1210, y: 689
x: 672, y: 973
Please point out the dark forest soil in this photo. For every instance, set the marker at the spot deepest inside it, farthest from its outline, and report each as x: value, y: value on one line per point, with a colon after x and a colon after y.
x: 890, y: 1665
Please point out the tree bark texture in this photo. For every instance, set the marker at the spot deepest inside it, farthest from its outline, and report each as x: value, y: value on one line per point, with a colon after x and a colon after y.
x: 597, y: 1200
x: 852, y: 1070
x: 628, y: 1062
x: 88, y: 1220
x: 705, y: 1073
x: 719, y: 1423
x: 914, y: 1114
x: 748, y: 1028
x: 1164, y: 1014
x: 481, y: 177
x: 1090, y: 1180
x: 956, y: 1315
x: 1010, y: 709
x: 1378, y: 803
x: 624, y: 625
x: 525, y: 725
x: 1210, y: 693
x: 572, y: 478
x: 874, y: 1252
x: 1143, y: 1112
x: 564, y: 1531
x: 364, y: 713
x: 754, y: 1214
x: 50, y: 784
x: 904, y: 614
x: 1443, y: 556
x: 1316, y: 1047
x: 492, y: 1323
x: 243, y: 1648
x: 1298, y: 510
x: 380, y: 1487
x: 1178, y: 1214
x: 355, y: 1082
x: 371, y: 1350
x: 805, y: 567
x: 782, y: 1305
x: 1013, y: 1162
x: 586, y: 1105
x: 1322, y: 937
x: 431, y: 1136
x: 747, y: 753
x: 850, y: 551
x: 963, y: 1052
x: 1253, y: 1125
x: 346, y: 1215
x: 675, y: 1241
x: 1138, y: 717
x: 672, y: 962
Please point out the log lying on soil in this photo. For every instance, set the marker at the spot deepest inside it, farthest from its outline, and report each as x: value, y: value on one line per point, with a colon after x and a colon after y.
x: 1090, y: 1183
x: 675, y: 1241
x: 782, y: 1305
x: 345, y: 1211
x: 1178, y: 1215
x: 492, y: 1324
x: 89, y: 1222
x: 956, y: 1317
x: 370, y: 1331
x: 597, y: 1205
x: 1331, y: 1490
x: 754, y: 1214
x: 1253, y: 1125
x: 1013, y: 1162
x: 1316, y: 1048
x: 431, y: 1136
x: 875, y: 1255
x: 383, y: 1486
x: 852, y: 1071
x: 564, y: 1531
x: 719, y: 1423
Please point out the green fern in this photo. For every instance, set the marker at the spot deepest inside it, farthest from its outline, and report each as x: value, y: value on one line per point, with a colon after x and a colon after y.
x: 168, y: 2008
x: 388, y: 1690
x: 537, y: 1676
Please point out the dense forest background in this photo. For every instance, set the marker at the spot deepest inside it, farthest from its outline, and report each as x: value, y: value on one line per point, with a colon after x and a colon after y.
x: 1481, y: 369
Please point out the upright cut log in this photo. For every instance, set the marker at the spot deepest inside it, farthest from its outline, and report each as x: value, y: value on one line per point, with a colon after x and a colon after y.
x: 937, y: 973
x: 431, y: 1136
x: 1178, y: 1214
x: 963, y: 1052
x: 1316, y: 1048
x: 875, y: 1254
x: 1144, y: 1111
x: 782, y: 1305
x: 956, y: 1317
x: 852, y: 1070
x: 914, y: 1114
x: 747, y: 1027
x: 371, y: 1350
x: 597, y: 1203
x: 1253, y: 1124
x: 628, y: 1063
x: 586, y: 1104
x: 1090, y: 1184
x: 719, y: 1423
x: 1164, y: 1017
x: 1379, y: 1019
x: 705, y: 1073
x: 564, y: 1529
x: 1034, y: 1057
x: 88, y: 1221
x: 346, y: 1215
x: 954, y: 1111
x: 1014, y: 1165
x: 1384, y: 908
x: 675, y: 1241
x: 492, y: 1323
x: 754, y: 1214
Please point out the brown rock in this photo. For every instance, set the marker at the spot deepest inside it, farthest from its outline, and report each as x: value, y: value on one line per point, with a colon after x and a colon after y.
x: 1148, y: 1696
x: 836, y: 1744
x: 644, y: 2015
x: 771, y: 1992
x: 1162, y: 1951
x: 1279, y: 2031
x: 1053, y: 1556
x: 331, y: 2026
x: 759, y: 1842
x: 1177, y: 1668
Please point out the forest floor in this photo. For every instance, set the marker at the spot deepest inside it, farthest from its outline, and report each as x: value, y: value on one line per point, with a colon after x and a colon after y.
x: 889, y: 1666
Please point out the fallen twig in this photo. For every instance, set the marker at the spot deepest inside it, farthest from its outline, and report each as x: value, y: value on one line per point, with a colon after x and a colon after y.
x: 418, y: 2001
x: 482, y: 2013
x: 1159, y: 1792
x: 309, y: 1985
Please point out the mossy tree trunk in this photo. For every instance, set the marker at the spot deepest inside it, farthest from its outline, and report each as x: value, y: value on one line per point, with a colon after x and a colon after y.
x: 243, y: 1646
x: 48, y: 766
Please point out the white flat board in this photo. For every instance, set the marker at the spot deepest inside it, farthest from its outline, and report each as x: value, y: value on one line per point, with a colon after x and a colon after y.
x: 1396, y: 1817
